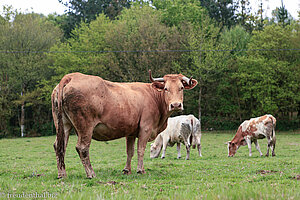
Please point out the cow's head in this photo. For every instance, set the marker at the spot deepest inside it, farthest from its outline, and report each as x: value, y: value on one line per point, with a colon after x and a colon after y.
x: 234, y: 146
x: 155, y: 150
x: 172, y: 86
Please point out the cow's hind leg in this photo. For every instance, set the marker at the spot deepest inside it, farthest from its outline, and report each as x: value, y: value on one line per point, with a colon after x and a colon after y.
x: 187, y: 152
x: 273, y: 146
x: 269, y: 145
x: 82, y: 148
x: 178, y: 151
x: 60, y: 153
x: 130, y: 140
x: 199, y: 149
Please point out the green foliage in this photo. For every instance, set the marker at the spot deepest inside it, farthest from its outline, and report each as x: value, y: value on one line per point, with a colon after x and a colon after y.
x: 137, y: 31
x: 87, y: 11
x: 234, y: 84
x: 29, y: 165
x: 24, y: 39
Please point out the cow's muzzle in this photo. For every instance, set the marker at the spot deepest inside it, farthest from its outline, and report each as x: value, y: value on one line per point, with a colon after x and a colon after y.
x: 176, y: 106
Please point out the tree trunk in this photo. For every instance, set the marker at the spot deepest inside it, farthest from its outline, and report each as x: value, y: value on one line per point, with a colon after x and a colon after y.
x: 22, y: 117
x: 199, y: 105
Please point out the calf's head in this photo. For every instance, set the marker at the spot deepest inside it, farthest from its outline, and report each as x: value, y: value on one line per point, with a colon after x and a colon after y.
x: 172, y: 86
x: 234, y: 146
x: 155, y: 150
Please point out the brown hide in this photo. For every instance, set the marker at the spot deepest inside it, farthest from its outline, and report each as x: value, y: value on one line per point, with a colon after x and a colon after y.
x: 267, y: 129
x: 105, y: 110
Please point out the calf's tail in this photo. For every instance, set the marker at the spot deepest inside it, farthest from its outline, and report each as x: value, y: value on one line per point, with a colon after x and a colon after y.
x: 273, y: 129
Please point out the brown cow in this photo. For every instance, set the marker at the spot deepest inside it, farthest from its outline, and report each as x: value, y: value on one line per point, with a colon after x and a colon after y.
x: 105, y: 110
x: 251, y: 130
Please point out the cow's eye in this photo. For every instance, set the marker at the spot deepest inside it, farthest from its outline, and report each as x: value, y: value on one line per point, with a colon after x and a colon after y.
x: 166, y: 89
x: 181, y: 88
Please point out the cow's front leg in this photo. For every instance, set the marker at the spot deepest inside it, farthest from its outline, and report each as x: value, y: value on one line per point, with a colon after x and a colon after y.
x: 249, y: 146
x: 257, y: 147
x: 130, y: 140
x: 144, y: 136
x: 178, y: 151
x: 165, y: 144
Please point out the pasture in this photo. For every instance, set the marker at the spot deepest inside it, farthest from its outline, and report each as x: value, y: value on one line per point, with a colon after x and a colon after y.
x: 28, y: 167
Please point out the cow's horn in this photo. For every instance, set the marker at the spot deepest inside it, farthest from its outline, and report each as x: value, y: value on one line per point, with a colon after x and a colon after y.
x: 155, y: 79
x: 188, y: 81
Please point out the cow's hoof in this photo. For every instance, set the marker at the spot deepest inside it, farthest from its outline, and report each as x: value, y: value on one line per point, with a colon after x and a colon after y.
x: 179, y: 157
x: 267, y: 155
x: 91, y: 176
x: 162, y: 157
x: 126, y: 171
x: 141, y: 172
x: 62, y: 175
x: 273, y: 155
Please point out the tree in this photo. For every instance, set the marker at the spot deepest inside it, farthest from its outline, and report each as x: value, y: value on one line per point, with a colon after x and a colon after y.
x: 281, y: 15
x: 269, y: 80
x: 24, y: 38
x: 140, y: 40
x: 87, y: 10
x: 223, y: 11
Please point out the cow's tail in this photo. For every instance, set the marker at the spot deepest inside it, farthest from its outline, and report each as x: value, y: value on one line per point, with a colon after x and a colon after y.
x: 273, y: 129
x: 192, y: 142
x: 60, y: 137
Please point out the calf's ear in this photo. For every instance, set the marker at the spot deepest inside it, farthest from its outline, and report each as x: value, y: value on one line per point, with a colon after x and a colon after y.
x: 243, y: 142
x: 228, y: 142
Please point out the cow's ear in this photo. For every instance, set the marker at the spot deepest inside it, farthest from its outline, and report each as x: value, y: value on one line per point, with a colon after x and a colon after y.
x: 228, y: 142
x: 186, y: 86
x: 159, y: 86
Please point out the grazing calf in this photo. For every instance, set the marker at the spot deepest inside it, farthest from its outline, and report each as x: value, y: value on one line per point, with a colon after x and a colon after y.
x: 180, y: 129
x: 251, y: 130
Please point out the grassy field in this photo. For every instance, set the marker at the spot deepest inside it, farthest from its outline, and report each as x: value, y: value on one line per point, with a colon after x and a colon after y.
x: 28, y: 168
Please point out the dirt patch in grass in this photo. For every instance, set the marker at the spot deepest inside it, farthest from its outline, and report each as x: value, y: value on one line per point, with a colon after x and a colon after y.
x: 297, y: 177
x: 109, y: 183
x: 265, y: 172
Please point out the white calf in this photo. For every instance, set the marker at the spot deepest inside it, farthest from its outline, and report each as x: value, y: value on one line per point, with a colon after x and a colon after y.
x: 180, y: 129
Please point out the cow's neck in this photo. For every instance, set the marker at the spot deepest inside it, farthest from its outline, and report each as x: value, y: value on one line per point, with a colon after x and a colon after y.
x: 238, y: 136
x: 164, y: 112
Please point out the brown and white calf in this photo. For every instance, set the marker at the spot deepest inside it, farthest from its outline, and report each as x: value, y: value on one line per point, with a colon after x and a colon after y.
x: 251, y: 130
x: 181, y: 129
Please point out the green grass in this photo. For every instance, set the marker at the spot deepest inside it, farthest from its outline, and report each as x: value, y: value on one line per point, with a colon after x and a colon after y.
x: 28, y: 165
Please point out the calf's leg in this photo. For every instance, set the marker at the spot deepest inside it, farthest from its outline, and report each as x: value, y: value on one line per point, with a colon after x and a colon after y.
x: 178, y: 151
x: 164, y: 148
x: 199, y: 149
x: 257, y: 147
x: 187, y: 152
x: 269, y: 144
x: 249, y: 146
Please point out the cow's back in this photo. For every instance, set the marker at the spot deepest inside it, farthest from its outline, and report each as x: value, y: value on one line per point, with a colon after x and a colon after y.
x: 114, y: 109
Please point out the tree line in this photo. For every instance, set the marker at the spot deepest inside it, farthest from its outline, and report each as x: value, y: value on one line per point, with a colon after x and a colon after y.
x: 246, y: 65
